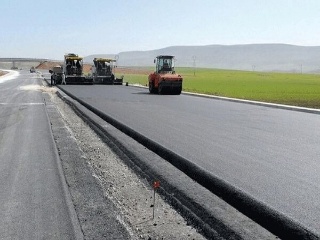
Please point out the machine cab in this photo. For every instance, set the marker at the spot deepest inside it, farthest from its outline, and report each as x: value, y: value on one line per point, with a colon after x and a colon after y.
x: 73, y: 64
x: 164, y: 64
x: 103, y: 66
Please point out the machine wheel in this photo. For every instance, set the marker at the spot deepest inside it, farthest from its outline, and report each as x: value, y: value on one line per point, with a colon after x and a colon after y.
x: 151, y: 88
x: 178, y: 91
x: 112, y: 79
x: 160, y: 89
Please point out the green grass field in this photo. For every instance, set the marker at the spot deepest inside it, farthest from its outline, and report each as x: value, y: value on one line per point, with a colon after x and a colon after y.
x: 285, y: 88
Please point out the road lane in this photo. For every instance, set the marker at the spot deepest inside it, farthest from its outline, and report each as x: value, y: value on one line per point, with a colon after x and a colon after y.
x: 33, y: 204
x: 271, y: 154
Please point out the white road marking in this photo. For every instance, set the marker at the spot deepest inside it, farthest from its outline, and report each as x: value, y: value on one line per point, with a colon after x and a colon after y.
x: 21, y: 104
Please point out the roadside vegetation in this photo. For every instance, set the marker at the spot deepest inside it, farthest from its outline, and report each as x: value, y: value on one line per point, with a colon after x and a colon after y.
x: 284, y: 88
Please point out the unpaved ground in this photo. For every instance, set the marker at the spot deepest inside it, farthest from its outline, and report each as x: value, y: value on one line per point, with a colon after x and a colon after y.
x: 49, y: 65
x: 2, y: 73
x: 87, y: 68
x: 132, y: 195
x: 133, y: 70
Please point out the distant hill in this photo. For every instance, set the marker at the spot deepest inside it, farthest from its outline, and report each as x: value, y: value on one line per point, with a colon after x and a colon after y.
x: 257, y: 57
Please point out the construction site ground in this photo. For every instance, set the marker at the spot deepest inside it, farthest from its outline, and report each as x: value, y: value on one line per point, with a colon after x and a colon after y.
x: 131, y: 195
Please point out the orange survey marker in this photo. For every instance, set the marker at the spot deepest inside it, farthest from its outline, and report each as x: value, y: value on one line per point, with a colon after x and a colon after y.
x: 156, y: 184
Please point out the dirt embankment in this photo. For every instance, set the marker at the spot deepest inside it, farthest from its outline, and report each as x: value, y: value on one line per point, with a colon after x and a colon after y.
x: 2, y: 73
x: 50, y: 65
x: 87, y: 68
x: 132, y: 70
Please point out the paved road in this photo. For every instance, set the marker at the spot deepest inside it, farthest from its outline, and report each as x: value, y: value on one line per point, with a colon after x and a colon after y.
x: 271, y: 154
x: 33, y: 204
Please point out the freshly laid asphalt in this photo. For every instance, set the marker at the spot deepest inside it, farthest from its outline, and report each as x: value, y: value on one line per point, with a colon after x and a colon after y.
x: 271, y: 154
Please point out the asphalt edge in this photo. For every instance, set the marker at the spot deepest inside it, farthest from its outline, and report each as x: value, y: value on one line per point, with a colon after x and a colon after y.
x: 272, y: 220
x: 71, y: 210
x: 257, y: 103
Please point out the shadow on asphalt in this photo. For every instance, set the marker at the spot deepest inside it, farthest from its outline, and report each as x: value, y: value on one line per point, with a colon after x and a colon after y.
x: 141, y: 93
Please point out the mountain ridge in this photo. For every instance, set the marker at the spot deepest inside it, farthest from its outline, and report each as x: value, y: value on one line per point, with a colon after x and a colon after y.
x: 251, y: 57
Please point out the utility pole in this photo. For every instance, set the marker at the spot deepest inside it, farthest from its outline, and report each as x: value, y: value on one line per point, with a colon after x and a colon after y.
x: 117, y: 59
x: 194, y: 64
x: 174, y: 63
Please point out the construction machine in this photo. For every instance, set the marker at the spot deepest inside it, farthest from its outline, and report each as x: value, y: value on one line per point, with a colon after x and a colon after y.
x: 73, y: 70
x: 56, y: 75
x: 102, y: 71
x: 165, y: 79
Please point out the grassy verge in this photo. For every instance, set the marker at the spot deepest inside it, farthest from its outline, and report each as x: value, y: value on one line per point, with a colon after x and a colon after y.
x: 285, y: 88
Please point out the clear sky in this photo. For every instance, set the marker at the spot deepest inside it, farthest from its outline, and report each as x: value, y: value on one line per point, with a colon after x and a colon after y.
x: 49, y: 29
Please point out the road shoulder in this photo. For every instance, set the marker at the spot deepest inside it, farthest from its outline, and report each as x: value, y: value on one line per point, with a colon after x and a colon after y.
x: 97, y: 215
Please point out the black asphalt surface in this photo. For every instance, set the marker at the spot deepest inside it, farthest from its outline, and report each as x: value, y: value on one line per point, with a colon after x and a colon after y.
x: 271, y: 154
x: 32, y: 196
